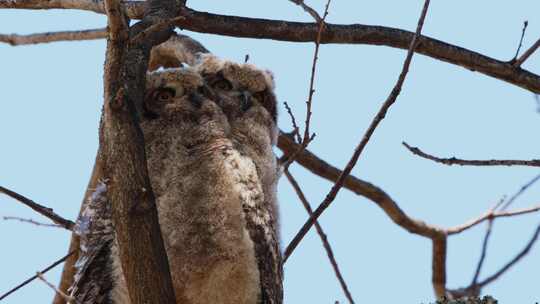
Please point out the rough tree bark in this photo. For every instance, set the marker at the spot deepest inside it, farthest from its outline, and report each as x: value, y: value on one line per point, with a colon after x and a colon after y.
x: 142, y: 253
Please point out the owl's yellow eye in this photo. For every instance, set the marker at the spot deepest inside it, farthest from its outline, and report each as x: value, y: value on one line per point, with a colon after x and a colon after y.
x: 222, y: 84
x: 164, y: 94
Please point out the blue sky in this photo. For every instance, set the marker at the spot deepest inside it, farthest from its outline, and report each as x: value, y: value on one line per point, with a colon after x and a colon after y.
x: 52, y: 94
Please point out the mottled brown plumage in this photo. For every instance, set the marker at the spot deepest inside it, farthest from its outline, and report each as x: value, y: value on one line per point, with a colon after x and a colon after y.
x: 209, y: 131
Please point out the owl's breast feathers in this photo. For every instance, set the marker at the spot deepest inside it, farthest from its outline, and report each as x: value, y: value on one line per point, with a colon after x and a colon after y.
x: 99, y: 279
x: 261, y: 224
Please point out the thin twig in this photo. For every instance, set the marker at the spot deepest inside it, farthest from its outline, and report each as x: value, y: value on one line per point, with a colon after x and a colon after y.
x: 35, y: 276
x: 306, y: 140
x: 491, y: 215
x: 312, y: 77
x: 483, y: 253
x: 525, y: 24
x: 475, y: 289
x: 520, y: 192
x: 527, y: 53
x: 47, y: 212
x: 56, y: 290
x: 324, y: 239
x: 462, y: 162
x: 30, y: 221
x: 91, y: 34
x: 296, y: 130
x: 352, y: 162
x: 512, y: 262
x: 308, y: 9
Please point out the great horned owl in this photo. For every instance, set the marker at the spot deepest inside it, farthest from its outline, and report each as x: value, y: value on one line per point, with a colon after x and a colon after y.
x: 209, y: 131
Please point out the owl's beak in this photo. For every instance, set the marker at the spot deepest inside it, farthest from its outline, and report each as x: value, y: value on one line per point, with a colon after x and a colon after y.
x: 245, y: 100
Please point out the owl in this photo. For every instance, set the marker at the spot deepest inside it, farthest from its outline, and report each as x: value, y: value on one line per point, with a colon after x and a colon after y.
x: 209, y: 130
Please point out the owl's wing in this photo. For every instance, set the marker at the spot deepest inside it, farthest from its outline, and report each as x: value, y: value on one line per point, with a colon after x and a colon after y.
x: 93, y: 281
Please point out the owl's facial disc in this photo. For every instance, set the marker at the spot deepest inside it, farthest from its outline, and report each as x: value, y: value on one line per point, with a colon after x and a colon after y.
x: 158, y: 98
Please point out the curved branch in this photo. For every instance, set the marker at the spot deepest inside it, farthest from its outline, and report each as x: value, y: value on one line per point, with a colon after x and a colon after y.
x: 375, y: 194
x: 307, y: 32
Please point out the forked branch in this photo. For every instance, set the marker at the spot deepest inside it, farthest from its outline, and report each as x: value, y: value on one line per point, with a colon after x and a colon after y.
x: 45, y: 211
x: 365, y: 139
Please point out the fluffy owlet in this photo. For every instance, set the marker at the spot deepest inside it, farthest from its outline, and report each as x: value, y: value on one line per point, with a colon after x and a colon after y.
x: 209, y: 131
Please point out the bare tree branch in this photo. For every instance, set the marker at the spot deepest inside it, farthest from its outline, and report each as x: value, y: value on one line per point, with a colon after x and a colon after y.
x: 487, y: 235
x: 321, y: 168
x: 438, y: 265
x: 475, y: 289
x: 307, y: 136
x: 375, y: 194
x: 490, y: 215
x: 322, y: 235
x: 527, y: 54
x: 30, y: 221
x: 15, y: 39
x: 296, y: 129
x: 45, y: 270
x: 520, y: 192
x: 365, y: 139
x: 45, y: 211
x: 516, y: 259
x: 307, y: 32
x: 456, y: 161
x: 56, y: 290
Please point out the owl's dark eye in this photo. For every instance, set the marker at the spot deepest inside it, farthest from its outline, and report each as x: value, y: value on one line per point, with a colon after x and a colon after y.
x: 222, y: 84
x: 163, y: 94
